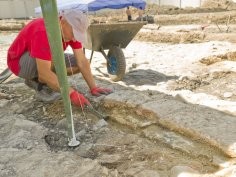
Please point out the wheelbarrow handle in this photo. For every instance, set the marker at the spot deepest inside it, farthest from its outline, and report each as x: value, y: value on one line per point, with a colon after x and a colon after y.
x: 5, y: 75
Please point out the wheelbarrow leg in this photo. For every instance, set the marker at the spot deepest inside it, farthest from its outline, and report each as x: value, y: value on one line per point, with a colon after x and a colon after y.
x: 104, y: 54
x: 91, y: 56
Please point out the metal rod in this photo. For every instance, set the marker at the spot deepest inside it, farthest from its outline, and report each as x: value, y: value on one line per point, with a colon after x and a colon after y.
x: 50, y: 15
x: 96, y: 113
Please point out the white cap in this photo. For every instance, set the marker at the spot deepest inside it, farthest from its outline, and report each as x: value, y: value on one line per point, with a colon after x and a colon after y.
x: 79, y: 22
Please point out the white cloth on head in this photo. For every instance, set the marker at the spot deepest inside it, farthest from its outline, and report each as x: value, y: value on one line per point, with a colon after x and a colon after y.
x: 79, y: 23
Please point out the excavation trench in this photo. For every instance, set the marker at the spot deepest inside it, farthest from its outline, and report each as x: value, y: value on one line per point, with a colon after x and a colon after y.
x: 131, y: 135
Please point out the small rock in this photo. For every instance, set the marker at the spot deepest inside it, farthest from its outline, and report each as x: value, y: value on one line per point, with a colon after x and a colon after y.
x: 29, y: 147
x: 101, y: 123
x: 62, y: 124
x: 3, y: 96
x: 25, y: 124
x: 146, y: 124
x: 44, y: 111
x: 181, y: 78
x: 80, y: 133
x: 15, y: 108
x: 1, y: 167
x: 105, y: 171
x: 114, y: 173
x: 3, y: 102
x: 85, y: 150
x: 134, y: 65
x: 20, y: 146
x: 24, y: 107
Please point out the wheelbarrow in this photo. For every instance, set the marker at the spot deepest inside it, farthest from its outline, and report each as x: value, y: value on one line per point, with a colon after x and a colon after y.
x: 112, y: 37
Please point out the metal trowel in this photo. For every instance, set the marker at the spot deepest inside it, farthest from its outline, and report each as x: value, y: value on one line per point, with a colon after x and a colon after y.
x: 91, y: 109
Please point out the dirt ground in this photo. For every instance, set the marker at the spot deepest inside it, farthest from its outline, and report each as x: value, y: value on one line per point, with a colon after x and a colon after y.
x: 190, y: 61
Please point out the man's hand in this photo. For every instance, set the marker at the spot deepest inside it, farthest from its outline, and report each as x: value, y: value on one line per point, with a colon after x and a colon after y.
x: 97, y: 91
x: 78, y: 99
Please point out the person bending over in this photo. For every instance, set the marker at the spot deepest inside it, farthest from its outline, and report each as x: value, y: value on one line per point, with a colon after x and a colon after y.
x: 29, y: 57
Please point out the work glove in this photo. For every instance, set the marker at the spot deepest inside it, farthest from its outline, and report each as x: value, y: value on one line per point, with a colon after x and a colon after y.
x: 78, y: 99
x: 97, y: 91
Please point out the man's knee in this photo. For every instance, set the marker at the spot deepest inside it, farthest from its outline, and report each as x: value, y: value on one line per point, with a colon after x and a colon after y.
x: 72, y: 70
x: 70, y: 60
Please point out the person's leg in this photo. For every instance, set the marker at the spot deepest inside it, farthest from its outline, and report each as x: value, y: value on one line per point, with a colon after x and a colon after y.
x: 28, y: 71
x: 129, y: 18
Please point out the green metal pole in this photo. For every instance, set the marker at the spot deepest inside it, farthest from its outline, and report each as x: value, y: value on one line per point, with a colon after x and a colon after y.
x: 51, y: 19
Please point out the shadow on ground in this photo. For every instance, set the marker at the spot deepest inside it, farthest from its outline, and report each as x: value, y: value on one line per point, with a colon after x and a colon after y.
x: 140, y: 77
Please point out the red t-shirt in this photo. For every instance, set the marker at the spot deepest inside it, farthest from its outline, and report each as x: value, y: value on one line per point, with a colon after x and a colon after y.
x: 33, y: 38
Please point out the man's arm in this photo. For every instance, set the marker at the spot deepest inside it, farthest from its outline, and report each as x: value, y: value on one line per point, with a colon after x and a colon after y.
x: 47, y: 76
x: 84, y: 67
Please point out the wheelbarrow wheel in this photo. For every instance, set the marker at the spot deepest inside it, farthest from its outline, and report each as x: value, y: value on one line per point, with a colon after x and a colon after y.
x: 116, y: 63
x: 5, y: 75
